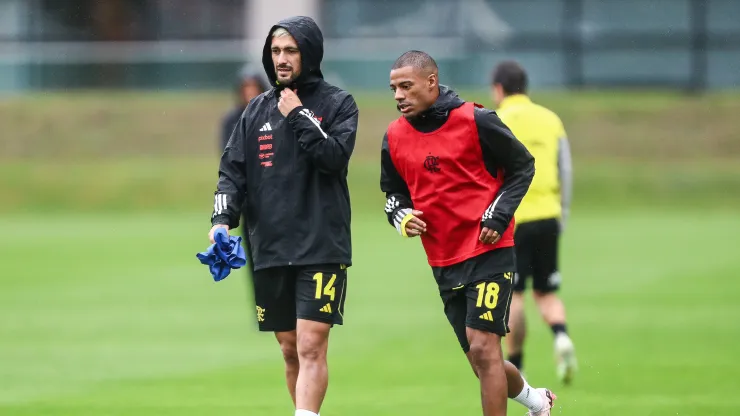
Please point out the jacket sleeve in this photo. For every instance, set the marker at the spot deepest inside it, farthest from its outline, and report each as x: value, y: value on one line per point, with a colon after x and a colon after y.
x: 232, y: 181
x: 565, y: 174
x: 330, y: 149
x: 398, y: 204
x: 501, y: 150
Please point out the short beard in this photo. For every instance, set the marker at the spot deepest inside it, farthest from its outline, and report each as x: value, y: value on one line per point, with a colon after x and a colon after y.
x: 288, y: 83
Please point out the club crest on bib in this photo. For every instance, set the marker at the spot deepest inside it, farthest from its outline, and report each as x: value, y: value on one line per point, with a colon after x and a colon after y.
x: 431, y: 163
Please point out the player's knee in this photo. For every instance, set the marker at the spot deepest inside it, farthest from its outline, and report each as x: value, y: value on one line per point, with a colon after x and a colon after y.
x: 287, y: 341
x: 485, y: 352
x: 290, y: 352
x: 312, y: 347
x: 484, y: 358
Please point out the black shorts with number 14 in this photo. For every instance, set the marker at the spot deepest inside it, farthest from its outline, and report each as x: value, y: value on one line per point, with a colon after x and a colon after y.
x: 285, y: 294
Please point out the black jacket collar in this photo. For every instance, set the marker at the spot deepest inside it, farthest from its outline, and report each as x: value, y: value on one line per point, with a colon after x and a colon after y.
x: 435, y: 116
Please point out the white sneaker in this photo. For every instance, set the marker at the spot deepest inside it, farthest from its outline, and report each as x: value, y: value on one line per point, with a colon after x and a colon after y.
x: 565, y: 356
x: 549, y: 397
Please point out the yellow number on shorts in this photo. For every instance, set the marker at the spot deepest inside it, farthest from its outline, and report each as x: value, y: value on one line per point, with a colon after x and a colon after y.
x: 329, y: 289
x: 487, y: 292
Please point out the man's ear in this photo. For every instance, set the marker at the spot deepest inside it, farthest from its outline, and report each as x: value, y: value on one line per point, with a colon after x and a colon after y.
x: 432, y: 81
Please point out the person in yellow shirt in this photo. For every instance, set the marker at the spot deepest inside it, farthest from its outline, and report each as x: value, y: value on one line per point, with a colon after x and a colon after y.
x: 542, y: 214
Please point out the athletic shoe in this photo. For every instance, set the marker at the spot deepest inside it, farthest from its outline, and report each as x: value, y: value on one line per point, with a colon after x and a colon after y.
x: 549, y: 397
x: 565, y: 356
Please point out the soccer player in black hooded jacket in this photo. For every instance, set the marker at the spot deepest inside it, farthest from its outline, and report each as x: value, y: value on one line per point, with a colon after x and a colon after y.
x: 287, y: 159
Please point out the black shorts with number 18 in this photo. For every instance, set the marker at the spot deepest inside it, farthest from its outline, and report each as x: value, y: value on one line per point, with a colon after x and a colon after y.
x: 476, y: 293
x: 285, y: 294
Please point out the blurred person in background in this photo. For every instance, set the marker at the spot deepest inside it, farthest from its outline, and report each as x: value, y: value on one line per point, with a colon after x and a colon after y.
x: 454, y: 175
x: 542, y: 214
x: 287, y: 163
x: 250, y: 83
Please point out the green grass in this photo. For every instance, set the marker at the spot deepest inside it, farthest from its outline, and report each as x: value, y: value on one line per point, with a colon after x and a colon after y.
x: 185, y: 184
x: 144, y: 151
x: 113, y: 315
x: 73, y: 126
x: 104, y: 309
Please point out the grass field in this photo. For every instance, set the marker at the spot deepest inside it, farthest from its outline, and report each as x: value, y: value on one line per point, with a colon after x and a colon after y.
x: 113, y: 315
x: 104, y: 309
x: 647, y: 124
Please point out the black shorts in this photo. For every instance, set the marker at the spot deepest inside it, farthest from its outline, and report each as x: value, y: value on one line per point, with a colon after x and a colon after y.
x: 285, y: 294
x: 537, y: 255
x: 477, y: 293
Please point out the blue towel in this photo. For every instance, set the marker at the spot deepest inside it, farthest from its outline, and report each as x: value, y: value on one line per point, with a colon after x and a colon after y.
x: 226, y: 254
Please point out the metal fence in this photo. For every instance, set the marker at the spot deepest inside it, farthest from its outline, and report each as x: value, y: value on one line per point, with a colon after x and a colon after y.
x: 688, y: 44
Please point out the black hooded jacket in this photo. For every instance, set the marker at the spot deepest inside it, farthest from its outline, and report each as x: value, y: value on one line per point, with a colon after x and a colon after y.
x: 500, y: 150
x: 291, y: 172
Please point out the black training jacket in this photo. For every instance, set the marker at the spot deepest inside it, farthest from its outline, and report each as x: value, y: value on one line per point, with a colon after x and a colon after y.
x: 291, y: 172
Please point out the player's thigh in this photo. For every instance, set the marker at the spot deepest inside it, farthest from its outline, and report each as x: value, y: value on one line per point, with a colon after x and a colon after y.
x: 488, y: 303
x: 525, y: 250
x: 274, y: 296
x: 456, y: 309
x: 321, y: 292
x: 545, y: 273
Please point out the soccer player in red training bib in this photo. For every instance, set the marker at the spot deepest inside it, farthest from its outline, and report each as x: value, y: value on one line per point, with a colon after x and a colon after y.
x: 454, y: 175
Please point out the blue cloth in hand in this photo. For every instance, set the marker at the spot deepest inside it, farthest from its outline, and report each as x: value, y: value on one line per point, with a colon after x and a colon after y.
x: 226, y: 254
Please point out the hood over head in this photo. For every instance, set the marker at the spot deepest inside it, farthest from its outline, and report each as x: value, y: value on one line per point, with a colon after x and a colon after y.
x: 252, y: 72
x: 310, y: 41
x: 246, y: 73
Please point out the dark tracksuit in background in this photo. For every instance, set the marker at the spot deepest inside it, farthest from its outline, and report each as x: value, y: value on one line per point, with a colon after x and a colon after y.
x: 228, y: 124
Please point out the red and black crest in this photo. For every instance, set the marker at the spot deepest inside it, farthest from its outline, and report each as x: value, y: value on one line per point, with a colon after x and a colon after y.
x: 431, y: 163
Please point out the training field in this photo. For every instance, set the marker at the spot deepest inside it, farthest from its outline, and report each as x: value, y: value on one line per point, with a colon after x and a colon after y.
x: 112, y: 315
x: 104, y: 309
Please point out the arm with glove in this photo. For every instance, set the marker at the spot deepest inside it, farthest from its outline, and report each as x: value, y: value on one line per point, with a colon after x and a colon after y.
x: 398, y: 205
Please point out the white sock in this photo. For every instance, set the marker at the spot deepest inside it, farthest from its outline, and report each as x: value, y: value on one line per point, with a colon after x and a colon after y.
x: 301, y: 412
x: 529, y: 398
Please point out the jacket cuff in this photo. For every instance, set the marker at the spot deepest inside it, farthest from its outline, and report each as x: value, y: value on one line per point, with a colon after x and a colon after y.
x: 401, y: 217
x: 495, y: 226
x: 294, y: 113
x: 221, y: 219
